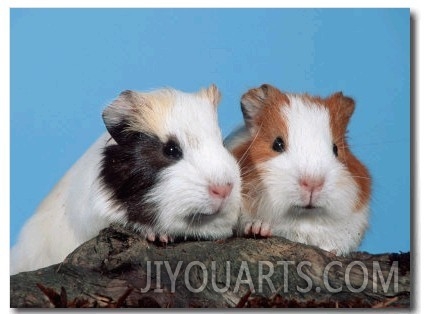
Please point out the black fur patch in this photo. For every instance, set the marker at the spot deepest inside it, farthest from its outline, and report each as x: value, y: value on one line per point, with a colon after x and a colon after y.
x: 129, y: 170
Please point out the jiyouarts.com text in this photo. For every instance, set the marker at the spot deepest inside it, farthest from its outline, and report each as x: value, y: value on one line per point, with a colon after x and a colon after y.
x: 276, y: 276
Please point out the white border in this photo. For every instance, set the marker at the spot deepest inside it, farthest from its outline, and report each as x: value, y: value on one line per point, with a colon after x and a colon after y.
x: 5, y: 149
x: 208, y: 4
x: 5, y: 6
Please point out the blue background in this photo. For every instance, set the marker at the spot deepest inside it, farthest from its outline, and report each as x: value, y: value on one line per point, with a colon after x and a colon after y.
x: 68, y: 64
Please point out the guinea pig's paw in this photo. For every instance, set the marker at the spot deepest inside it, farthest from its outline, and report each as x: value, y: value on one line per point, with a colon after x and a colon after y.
x: 151, y: 236
x: 335, y: 252
x: 258, y: 227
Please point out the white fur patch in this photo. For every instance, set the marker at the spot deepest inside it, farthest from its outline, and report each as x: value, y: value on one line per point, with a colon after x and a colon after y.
x: 183, y: 189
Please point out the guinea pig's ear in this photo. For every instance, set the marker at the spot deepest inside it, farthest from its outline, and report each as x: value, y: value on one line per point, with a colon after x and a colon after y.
x: 117, y: 115
x: 345, y: 106
x: 212, y: 93
x: 253, y: 101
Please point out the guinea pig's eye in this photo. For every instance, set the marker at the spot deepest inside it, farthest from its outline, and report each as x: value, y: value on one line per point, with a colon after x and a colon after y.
x: 278, y: 145
x: 335, y: 150
x: 173, y: 150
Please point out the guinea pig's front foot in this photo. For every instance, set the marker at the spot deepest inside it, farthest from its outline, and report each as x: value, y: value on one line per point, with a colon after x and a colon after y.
x: 164, y: 238
x: 258, y: 227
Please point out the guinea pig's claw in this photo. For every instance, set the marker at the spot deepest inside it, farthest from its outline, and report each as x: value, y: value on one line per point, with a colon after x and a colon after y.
x: 151, y: 236
x: 248, y: 228
x: 265, y: 230
x: 163, y: 238
x: 256, y: 227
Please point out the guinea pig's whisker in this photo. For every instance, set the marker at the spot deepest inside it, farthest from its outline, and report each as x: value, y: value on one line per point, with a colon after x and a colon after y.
x: 361, y: 177
x: 246, y: 172
x: 247, y: 196
x: 199, y: 218
x: 244, y: 156
x: 249, y: 171
x: 191, y: 223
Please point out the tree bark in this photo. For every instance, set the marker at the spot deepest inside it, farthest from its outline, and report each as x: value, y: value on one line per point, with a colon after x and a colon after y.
x: 120, y: 269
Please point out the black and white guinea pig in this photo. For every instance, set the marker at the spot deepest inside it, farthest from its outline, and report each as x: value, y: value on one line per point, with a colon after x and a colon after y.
x: 161, y: 169
x: 299, y: 178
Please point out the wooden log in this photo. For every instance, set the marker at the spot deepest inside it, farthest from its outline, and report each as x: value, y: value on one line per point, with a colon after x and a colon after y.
x: 120, y: 269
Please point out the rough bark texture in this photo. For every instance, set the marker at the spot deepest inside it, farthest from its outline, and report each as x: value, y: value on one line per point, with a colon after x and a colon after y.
x: 112, y: 269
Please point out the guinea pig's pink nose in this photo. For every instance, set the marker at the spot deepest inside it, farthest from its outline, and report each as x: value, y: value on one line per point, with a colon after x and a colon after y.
x: 312, y: 184
x: 220, y: 191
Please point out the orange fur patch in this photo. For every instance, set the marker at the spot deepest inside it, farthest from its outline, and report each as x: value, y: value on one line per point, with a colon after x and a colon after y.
x: 259, y: 148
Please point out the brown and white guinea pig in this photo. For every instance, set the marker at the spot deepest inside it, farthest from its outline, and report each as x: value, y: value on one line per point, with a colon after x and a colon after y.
x: 299, y: 178
x: 161, y: 169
